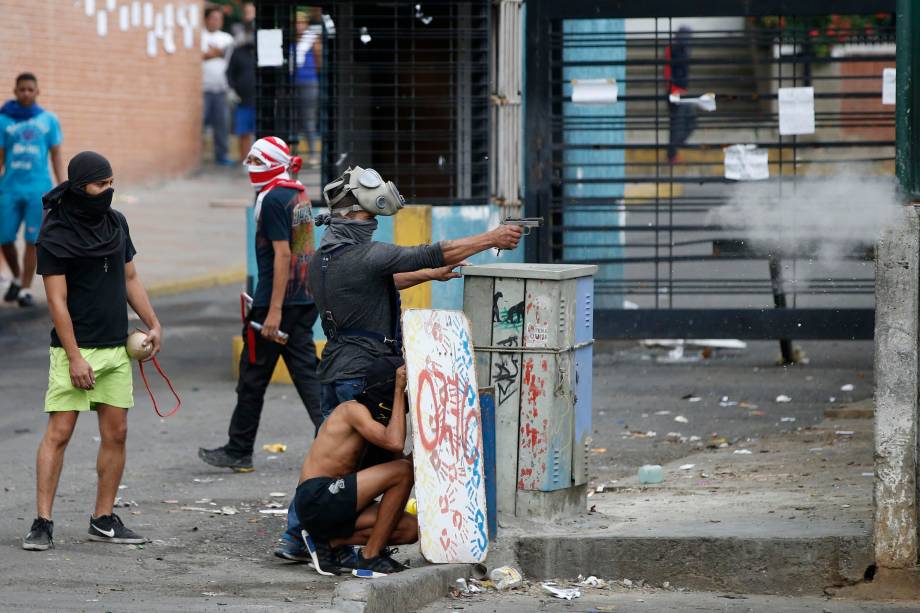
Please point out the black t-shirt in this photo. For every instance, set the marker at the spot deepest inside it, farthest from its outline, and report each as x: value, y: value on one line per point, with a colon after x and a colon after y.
x: 285, y: 214
x: 97, y: 298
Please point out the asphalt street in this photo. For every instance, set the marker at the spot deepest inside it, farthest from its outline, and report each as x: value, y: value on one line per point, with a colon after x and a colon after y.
x: 206, y: 561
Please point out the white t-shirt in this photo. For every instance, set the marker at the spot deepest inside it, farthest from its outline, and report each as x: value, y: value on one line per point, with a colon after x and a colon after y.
x: 214, y: 70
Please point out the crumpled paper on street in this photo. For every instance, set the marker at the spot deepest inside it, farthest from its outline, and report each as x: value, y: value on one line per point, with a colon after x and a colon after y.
x: 565, y: 593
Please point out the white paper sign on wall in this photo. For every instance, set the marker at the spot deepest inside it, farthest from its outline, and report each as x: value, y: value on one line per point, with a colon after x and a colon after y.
x: 796, y: 110
x: 268, y: 47
x: 889, y: 78
x: 594, y: 91
x: 746, y: 163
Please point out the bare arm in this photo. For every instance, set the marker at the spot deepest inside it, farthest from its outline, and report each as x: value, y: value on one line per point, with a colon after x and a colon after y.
x: 393, y: 436
x: 282, y: 268
x: 57, y: 163
x: 502, y: 237
x: 405, y: 280
x: 81, y: 373
x: 140, y: 302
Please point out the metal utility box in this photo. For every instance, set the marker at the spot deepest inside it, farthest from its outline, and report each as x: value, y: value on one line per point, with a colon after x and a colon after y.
x: 532, y: 327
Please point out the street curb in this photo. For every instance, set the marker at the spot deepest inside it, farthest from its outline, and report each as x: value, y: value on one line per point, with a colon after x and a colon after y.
x: 787, y: 566
x: 15, y: 315
x: 236, y: 274
x: 406, y: 591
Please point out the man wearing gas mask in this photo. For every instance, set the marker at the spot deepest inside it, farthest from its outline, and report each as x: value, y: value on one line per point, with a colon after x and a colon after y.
x: 355, y: 282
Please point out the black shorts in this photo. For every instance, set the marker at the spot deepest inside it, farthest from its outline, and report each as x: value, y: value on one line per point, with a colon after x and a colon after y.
x: 327, y: 507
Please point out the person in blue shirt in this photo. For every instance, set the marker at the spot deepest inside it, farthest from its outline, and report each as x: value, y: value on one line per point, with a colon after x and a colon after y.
x: 28, y: 134
x: 309, y: 53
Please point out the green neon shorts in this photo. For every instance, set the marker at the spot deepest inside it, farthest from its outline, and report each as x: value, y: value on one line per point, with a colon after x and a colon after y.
x: 114, y: 381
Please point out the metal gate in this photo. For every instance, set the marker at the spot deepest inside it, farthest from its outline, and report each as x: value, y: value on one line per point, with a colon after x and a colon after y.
x: 404, y: 88
x: 638, y: 186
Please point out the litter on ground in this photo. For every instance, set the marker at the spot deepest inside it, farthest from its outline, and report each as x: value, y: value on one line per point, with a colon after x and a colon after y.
x: 565, y: 593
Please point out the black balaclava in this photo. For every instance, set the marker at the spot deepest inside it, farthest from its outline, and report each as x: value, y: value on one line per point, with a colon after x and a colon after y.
x: 77, y: 224
x: 379, y: 382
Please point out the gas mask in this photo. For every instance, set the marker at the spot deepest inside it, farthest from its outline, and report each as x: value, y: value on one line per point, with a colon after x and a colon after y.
x: 368, y: 189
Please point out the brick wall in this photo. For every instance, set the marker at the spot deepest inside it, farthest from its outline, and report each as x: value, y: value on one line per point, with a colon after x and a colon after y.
x: 142, y: 112
x: 872, y: 85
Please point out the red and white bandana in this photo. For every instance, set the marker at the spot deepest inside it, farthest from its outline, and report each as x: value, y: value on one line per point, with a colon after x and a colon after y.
x: 276, y: 169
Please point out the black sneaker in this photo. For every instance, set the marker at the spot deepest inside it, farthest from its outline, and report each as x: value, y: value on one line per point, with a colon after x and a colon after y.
x: 378, y: 566
x: 12, y: 292
x: 346, y: 557
x: 26, y: 300
x: 292, y: 551
x: 110, y: 529
x: 323, y: 556
x: 220, y: 458
x: 39, y: 537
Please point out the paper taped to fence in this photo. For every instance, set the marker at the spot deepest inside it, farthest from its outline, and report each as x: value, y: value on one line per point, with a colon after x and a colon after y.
x: 594, y: 91
x: 889, y: 79
x: 447, y: 436
x: 268, y: 48
x: 746, y: 163
x: 796, y: 110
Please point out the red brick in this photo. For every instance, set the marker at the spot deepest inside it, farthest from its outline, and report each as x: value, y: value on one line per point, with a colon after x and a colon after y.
x: 143, y: 113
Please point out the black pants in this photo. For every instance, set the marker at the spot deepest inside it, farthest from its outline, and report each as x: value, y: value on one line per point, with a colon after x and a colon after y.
x: 300, y: 357
x: 683, y: 123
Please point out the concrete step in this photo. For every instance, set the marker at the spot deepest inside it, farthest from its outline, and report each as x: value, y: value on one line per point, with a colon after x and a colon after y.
x: 790, y: 513
x: 768, y: 565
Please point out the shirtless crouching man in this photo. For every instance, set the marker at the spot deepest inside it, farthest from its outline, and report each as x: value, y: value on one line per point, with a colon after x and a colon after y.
x: 336, y: 502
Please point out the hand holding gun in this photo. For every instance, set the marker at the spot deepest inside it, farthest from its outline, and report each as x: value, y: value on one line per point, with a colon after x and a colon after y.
x: 524, y: 222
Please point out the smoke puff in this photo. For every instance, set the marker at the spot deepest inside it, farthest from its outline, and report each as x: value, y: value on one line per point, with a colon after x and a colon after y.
x: 822, y: 219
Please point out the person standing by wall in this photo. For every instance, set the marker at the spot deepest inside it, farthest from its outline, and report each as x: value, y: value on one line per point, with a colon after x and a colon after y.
x: 86, y: 258
x: 215, y: 48
x: 281, y: 301
x: 309, y: 57
x: 241, y: 74
x: 677, y: 74
x: 28, y: 134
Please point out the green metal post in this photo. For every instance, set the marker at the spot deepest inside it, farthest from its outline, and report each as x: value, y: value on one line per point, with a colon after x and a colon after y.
x: 908, y: 97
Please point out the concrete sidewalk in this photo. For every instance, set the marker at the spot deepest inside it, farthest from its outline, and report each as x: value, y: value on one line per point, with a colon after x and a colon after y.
x: 790, y: 513
x: 189, y: 232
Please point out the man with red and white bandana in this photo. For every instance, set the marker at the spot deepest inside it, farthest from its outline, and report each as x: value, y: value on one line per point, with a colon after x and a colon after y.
x: 281, y: 304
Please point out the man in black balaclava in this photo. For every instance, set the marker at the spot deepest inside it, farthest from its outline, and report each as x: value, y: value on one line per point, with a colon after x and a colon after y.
x: 85, y: 257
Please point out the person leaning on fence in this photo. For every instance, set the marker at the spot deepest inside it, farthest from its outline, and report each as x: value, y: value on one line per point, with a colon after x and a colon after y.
x: 336, y: 499
x: 355, y: 282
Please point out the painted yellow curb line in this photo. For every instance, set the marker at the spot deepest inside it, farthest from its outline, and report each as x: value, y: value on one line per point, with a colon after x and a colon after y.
x: 237, y: 274
x: 281, y: 374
